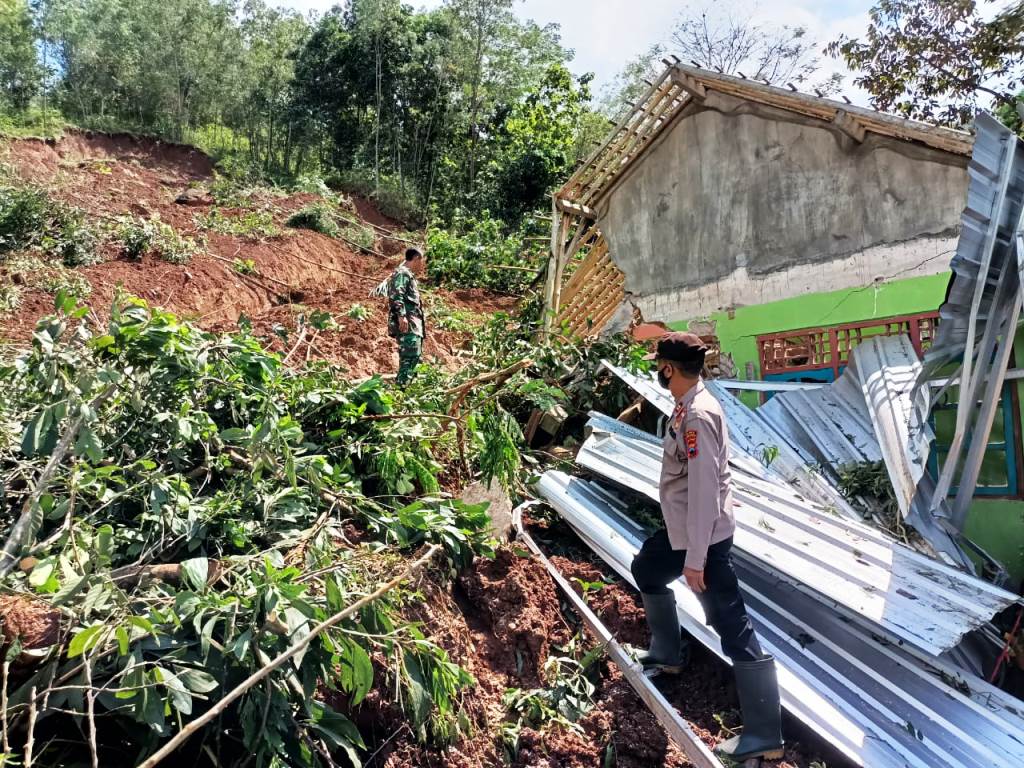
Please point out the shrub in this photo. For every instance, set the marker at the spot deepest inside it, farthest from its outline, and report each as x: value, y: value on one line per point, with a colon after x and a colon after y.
x: 361, y: 236
x: 74, y: 239
x: 24, y: 217
x: 358, y: 312
x: 47, y: 276
x: 253, y: 225
x: 10, y: 298
x: 478, y: 254
x: 244, y: 266
x: 140, y: 236
x: 30, y: 218
x: 318, y: 217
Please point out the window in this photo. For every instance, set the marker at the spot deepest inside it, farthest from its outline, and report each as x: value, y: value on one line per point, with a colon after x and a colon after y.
x: 828, y: 349
x: 821, y: 354
x: 998, y: 475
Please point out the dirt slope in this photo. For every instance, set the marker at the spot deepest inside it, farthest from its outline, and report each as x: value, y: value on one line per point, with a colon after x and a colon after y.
x: 298, y: 271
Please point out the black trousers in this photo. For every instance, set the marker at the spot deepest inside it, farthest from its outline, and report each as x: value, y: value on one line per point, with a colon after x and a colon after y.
x: 657, y: 565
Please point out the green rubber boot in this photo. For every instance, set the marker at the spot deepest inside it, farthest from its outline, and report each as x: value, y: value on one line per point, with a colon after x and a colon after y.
x: 758, y: 689
x: 666, y: 653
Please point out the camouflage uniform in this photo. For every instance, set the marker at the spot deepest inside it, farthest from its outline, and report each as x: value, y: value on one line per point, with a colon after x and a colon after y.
x: 404, y: 301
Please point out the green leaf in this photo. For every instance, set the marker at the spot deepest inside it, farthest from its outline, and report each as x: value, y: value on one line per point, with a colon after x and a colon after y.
x: 335, y: 599
x: 104, y: 543
x: 142, y: 623
x: 357, y: 672
x: 198, y: 681
x: 195, y: 572
x: 41, y: 572
x: 35, y: 432
x: 241, y: 645
x: 180, y: 697
x: 419, y: 703
x: 85, y: 640
x: 122, y: 640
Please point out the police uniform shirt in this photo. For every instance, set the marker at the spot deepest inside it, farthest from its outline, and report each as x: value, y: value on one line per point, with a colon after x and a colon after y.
x: 695, y: 487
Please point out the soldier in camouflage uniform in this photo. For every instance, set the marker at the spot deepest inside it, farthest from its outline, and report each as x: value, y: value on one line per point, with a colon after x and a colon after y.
x: 406, y: 321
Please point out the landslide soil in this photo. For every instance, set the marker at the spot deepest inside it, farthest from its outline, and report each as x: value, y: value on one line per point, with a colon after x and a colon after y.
x: 501, y: 622
x: 298, y: 271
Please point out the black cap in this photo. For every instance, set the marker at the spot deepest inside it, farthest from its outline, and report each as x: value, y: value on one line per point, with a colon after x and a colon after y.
x: 681, y: 347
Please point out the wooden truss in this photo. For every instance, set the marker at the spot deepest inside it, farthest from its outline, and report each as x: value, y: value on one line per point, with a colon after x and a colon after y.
x: 575, y: 206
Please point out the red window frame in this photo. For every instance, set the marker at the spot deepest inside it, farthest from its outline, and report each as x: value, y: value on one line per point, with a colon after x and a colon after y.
x: 829, y: 347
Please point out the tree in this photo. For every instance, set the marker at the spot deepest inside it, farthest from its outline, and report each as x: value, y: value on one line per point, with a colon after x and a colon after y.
x: 935, y: 59
x: 536, y: 145
x: 726, y: 43
x: 631, y: 82
x: 715, y: 36
x: 20, y: 74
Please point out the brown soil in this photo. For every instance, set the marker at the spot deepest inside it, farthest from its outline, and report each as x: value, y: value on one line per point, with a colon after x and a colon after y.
x: 518, y: 601
x: 299, y: 271
x: 33, y: 622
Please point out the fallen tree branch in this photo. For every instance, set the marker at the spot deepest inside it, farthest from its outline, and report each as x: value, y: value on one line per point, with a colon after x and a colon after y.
x: 500, y: 377
x: 294, y: 349
x: 185, y: 733
x: 22, y: 529
x: 394, y: 416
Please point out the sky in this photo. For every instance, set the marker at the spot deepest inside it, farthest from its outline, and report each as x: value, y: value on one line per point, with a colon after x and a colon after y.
x: 606, y: 33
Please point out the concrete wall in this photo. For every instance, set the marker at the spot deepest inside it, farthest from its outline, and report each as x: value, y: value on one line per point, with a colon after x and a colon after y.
x: 741, y: 204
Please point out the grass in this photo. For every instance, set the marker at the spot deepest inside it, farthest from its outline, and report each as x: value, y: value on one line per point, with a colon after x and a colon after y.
x: 33, y: 123
x: 251, y: 225
x: 50, y: 277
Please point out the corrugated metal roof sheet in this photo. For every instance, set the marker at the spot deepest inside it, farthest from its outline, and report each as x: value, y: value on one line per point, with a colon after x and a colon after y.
x: 752, y: 436
x: 994, y: 200
x: 909, y: 597
x: 830, y: 423
x: 875, y: 702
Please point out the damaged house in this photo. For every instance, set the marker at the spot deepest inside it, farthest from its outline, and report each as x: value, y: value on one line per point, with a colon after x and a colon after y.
x: 787, y: 229
x: 855, y: 272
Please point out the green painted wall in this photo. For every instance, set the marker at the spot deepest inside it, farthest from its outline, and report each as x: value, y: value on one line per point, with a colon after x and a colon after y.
x: 738, y: 329
x: 997, y: 525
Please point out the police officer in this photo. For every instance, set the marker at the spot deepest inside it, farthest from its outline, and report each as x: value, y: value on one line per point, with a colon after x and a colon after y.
x: 406, y: 321
x: 696, y: 503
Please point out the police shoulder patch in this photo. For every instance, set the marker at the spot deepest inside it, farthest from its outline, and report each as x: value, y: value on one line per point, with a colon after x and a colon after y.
x: 690, y: 439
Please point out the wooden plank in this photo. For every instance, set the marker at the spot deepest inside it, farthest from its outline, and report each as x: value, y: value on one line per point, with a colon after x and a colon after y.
x: 668, y: 99
x: 597, y: 277
x: 689, y: 84
x: 661, y: 120
x: 583, y: 273
x: 596, y: 300
x: 637, y: 126
x: 850, y: 125
x: 622, y: 123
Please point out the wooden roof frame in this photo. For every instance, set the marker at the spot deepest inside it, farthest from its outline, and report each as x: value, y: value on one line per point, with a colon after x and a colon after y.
x: 678, y: 85
x: 575, y: 207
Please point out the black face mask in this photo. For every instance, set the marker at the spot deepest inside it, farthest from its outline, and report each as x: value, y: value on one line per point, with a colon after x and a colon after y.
x: 663, y: 379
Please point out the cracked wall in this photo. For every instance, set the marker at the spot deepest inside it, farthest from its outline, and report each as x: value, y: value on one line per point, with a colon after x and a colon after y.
x: 742, y: 204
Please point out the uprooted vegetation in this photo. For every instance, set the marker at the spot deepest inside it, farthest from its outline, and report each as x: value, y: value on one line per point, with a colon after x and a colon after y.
x: 181, y: 508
